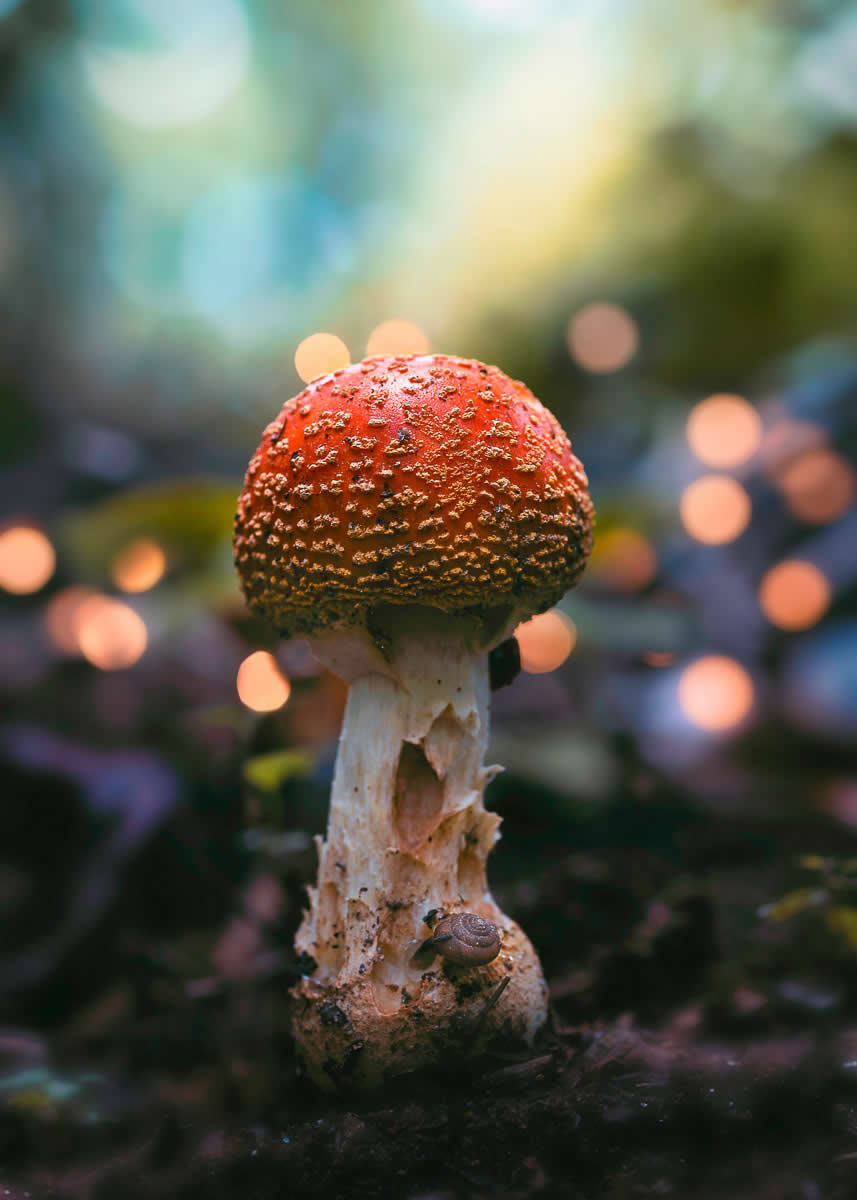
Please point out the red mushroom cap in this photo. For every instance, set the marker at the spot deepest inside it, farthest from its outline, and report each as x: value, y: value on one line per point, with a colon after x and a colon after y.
x: 412, y: 480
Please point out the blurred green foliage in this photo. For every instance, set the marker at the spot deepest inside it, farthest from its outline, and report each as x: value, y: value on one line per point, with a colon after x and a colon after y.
x: 268, y: 772
x: 190, y: 518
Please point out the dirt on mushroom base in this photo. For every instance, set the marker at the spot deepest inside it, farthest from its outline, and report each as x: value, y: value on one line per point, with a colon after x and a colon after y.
x: 453, y: 1012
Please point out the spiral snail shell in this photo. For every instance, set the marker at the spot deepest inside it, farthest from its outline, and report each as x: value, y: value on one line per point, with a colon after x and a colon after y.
x: 465, y: 939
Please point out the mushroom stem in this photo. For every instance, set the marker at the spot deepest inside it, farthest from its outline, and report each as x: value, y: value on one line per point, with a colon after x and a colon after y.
x: 408, y: 838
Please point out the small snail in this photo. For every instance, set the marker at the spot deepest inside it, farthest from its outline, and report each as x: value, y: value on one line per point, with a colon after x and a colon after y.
x: 464, y: 939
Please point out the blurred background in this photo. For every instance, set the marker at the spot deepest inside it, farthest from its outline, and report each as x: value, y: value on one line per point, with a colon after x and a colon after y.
x: 645, y: 210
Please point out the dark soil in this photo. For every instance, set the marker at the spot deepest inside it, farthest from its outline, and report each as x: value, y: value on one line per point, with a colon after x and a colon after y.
x: 697, y: 1050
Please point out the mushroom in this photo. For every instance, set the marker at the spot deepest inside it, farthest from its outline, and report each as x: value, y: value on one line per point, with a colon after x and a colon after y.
x: 405, y: 514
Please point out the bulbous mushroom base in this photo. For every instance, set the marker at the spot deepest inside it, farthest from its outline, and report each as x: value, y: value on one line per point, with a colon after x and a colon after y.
x: 361, y: 1033
x: 407, y: 842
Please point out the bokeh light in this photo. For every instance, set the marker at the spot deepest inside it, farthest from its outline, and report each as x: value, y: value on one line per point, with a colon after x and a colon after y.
x: 794, y: 595
x: 261, y: 684
x: 244, y: 250
x: 111, y: 635
x: 715, y: 693
x: 396, y: 337
x: 230, y: 245
x: 715, y: 509
x: 818, y: 486
x: 623, y: 559
x: 545, y: 641
x: 62, y: 617
x: 602, y: 338
x: 724, y: 431
x: 27, y: 560
x: 256, y: 248
x: 320, y: 354
x: 190, y: 59
x: 139, y: 566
